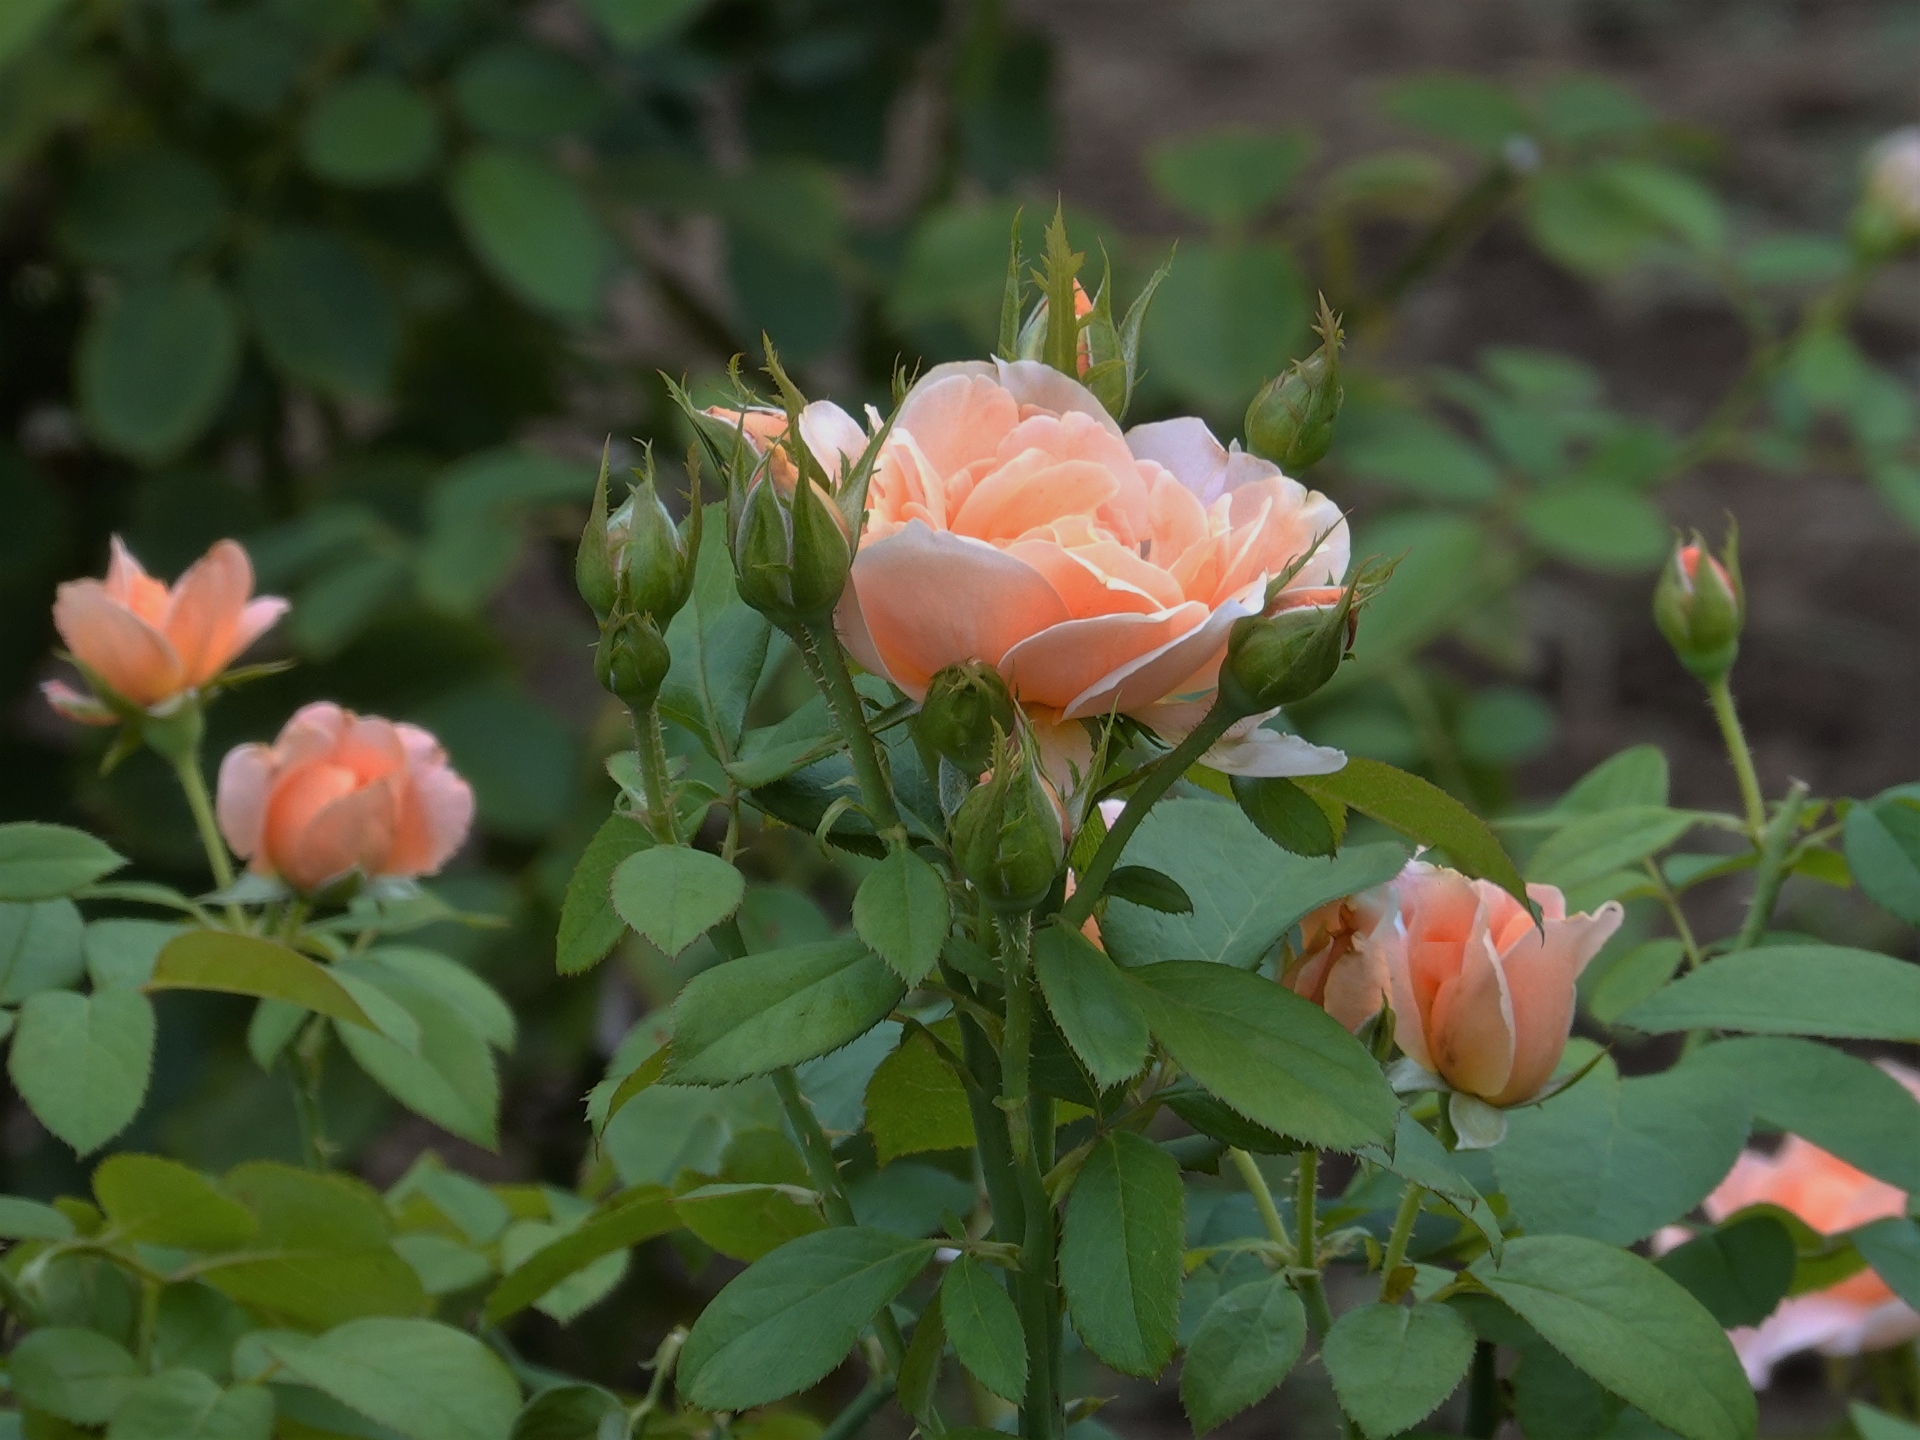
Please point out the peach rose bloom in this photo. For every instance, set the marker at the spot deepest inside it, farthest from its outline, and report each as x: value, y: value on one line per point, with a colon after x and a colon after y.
x: 1342, y: 964
x: 340, y: 792
x: 1010, y: 521
x: 1481, y: 996
x: 150, y: 643
x: 1861, y: 1312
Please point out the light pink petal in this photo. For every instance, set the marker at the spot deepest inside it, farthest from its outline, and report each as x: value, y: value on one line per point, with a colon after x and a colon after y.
x: 435, y: 814
x: 310, y: 733
x: 1038, y: 386
x: 1188, y: 449
x: 1540, y: 973
x: 956, y: 415
x: 131, y: 586
x: 125, y: 651
x: 354, y: 831
x: 246, y: 780
x: 1171, y: 670
x: 1080, y: 667
x: 203, y: 621
x: 989, y: 602
x: 260, y: 616
x: 1268, y: 753
x: 834, y: 437
x: 74, y: 705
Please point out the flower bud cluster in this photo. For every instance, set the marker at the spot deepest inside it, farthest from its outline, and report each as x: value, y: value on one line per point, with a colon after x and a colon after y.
x: 1008, y: 836
x: 634, y: 568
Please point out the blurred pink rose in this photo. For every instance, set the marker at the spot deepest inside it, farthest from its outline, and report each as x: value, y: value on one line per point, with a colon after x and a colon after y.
x: 339, y: 792
x: 149, y: 643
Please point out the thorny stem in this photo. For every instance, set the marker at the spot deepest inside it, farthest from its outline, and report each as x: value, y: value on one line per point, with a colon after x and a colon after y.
x: 1724, y: 711
x: 653, y: 774
x: 1776, y: 848
x: 1159, y: 777
x: 1307, y: 1257
x: 1403, y: 1223
x: 820, y: 649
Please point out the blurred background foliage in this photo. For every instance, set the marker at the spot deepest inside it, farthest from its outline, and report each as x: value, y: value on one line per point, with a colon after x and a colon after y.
x: 366, y: 283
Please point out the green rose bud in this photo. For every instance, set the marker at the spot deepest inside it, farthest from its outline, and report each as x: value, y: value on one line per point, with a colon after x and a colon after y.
x: 790, y: 559
x: 1700, y: 606
x: 632, y: 660
x: 1007, y: 835
x: 966, y: 706
x: 656, y: 571
x: 1290, y: 421
x: 594, y: 562
x: 1275, y: 660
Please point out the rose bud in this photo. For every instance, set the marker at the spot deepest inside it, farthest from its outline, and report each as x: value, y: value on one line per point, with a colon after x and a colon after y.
x: 1481, y: 995
x: 1291, y: 420
x: 596, y: 562
x: 966, y: 706
x: 1889, y: 214
x: 632, y: 660
x: 143, y: 645
x: 1700, y: 606
x: 656, y: 569
x: 1281, y: 658
x: 1342, y: 965
x: 339, y: 794
x: 1008, y: 835
x: 791, y: 560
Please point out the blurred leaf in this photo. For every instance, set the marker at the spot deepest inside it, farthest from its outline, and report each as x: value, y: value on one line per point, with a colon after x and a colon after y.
x: 473, y: 520
x: 1637, y: 776
x: 40, y: 948
x: 1418, y: 456
x: 635, y: 24
x: 1409, y: 182
x: 248, y: 58
x: 30, y: 1220
x: 478, y: 1003
x: 322, y: 313
x: 534, y: 230
x: 618, y: 1223
x: 250, y: 965
x: 1120, y: 1253
x: 123, y: 952
x: 1541, y: 377
x: 155, y: 1201
x: 1582, y: 108
x: 746, y: 1221
x: 512, y: 90
x: 1229, y: 176
x: 20, y: 22
x: 334, y: 607
x: 77, y: 1375
x: 521, y: 761
x: 81, y: 1062
x: 1226, y: 319
x: 1614, y: 839
x: 141, y: 209
x: 580, y: 1291
x: 1598, y: 525
x: 795, y: 299
x: 155, y: 364
x: 1473, y: 111
x: 1004, y: 108
x: 572, y: 1412
x: 371, y: 130
x: 1446, y: 563
x: 1883, y: 852
x: 1393, y: 1365
x: 425, y: 1380
x: 1740, y: 1271
x: 1577, y: 218
x: 1675, y: 199
x: 1246, y: 1344
x: 1875, y: 1424
x: 1793, y: 260
x: 1504, y: 725
x: 451, y: 1080
x: 187, y: 1405
x: 955, y: 270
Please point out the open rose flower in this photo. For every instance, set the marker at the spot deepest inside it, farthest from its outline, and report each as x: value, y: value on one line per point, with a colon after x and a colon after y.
x: 1011, y: 522
x: 1342, y: 964
x: 147, y: 643
x: 1481, y: 996
x: 338, y: 793
x: 1859, y: 1313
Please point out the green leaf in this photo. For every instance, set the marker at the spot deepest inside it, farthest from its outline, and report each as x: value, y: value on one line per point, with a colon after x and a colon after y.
x: 140, y: 209
x: 719, y: 647
x: 589, y: 925
x: 77, y: 1375
x: 1614, y: 987
x: 123, y: 952
x: 789, y: 1318
x: 1152, y: 889
x: 477, y: 1003
x: 1286, y: 815
x: 1228, y: 176
x: 920, y: 1367
x: 187, y: 1405
x: 1671, y: 199
x: 1421, y: 811
x: 40, y: 948
x: 1597, y: 845
x: 1090, y: 1002
x: 155, y: 364
x: 1246, y: 891
x: 30, y: 1220
x: 1120, y: 1260
x: 1598, y: 525
x: 572, y: 1412
x: 1616, y: 1159
x: 1421, y: 1159
x: 1883, y: 852
x: 81, y: 1062
x: 636, y: 24
x: 161, y: 1202
x: 1281, y: 1061
x: 1393, y: 1365
x: 1248, y: 1341
x: 1475, y: 112
x: 44, y: 862
x: 322, y: 313
x: 673, y: 895
x: 901, y: 910
x: 445, y: 1266
x: 512, y: 90
x: 985, y: 1328
x: 746, y: 1221
x: 1637, y: 1332
x: 21, y: 23
x: 369, y: 131
x: 1875, y: 1424
x: 619, y: 1223
x: 751, y: 1016
x: 915, y: 1103
x: 451, y: 1079
x: 532, y: 227
x: 323, y: 1252
x: 1416, y: 455
x: 1892, y: 1247
x: 580, y: 1291
x: 1825, y: 990
x: 1739, y: 1271
x: 420, y: 1378
x: 249, y: 965
x: 473, y: 539
x: 1228, y: 316
x: 1840, y: 1102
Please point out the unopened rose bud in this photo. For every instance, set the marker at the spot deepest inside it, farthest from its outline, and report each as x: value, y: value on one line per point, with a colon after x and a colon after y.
x: 1007, y: 834
x: 656, y: 570
x: 965, y: 706
x: 1889, y: 215
x: 1280, y: 659
x: 1700, y: 605
x: 1291, y: 420
x: 594, y: 563
x: 632, y: 660
x: 791, y: 560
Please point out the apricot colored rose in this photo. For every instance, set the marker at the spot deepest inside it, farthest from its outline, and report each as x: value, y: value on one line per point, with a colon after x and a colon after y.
x: 1010, y: 521
x: 1859, y: 1313
x: 148, y: 642
x: 1481, y: 996
x: 339, y: 792
x: 1341, y: 966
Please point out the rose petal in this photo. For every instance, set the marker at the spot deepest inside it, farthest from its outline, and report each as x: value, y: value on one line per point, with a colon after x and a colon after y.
x: 1264, y: 753
x: 246, y: 779
x: 1188, y: 449
x: 1540, y: 971
x: 125, y: 651
x: 70, y: 703
x: 1037, y: 386
x: 203, y: 621
x: 1079, y: 666
x: 833, y: 437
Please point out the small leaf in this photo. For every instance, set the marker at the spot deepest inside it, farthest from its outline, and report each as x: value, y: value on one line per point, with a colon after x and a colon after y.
x: 249, y: 965
x: 618, y: 1224
x: 1143, y: 885
x: 425, y: 1380
x: 571, y: 1412
x: 30, y: 1220
x: 533, y: 228
x: 78, y: 1375
x: 41, y: 948
x: 1097, y: 1013
x: 450, y: 1079
x: 154, y: 365
x: 1616, y: 839
x: 322, y: 313
x: 44, y: 862
x: 1872, y: 1424
x: 673, y: 895
x: 985, y: 1328
x: 901, y: 910
x: 915, y: 1103
x: 187, y: 1405
x: 744, y: 1222
x: 1393, y: 1365
x: 753, y: 1015
x: 1247, y: 1342
x: 81, y: 1062
x: 1120, y: 1260
x: 371, y: 130
x: 1739, y: 1271
x: 790, y: 1317
x: 162, y: 1202
x: 1825, y: 990
x: 1286, y: 815
x: 1883, y: 852
x: 589, y: 925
